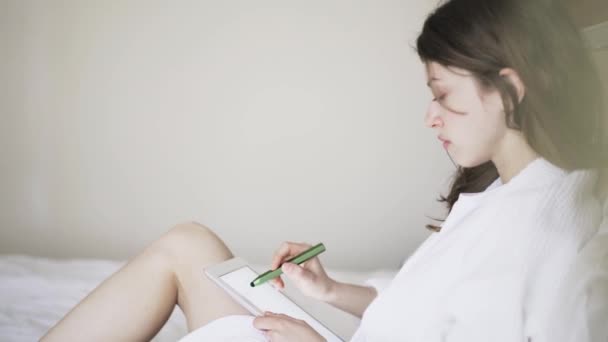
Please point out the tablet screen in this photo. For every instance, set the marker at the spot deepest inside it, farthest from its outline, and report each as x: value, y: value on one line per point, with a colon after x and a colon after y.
x: 266, y: 298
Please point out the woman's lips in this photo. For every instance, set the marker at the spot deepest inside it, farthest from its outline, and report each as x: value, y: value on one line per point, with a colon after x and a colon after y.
x: 446, y: 143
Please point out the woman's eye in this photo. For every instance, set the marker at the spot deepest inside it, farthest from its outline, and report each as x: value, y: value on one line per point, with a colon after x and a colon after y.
x: 439, y: 98
x: 443, y: 103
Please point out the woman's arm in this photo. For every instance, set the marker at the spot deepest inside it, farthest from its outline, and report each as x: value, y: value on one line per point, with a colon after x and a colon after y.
x: 312, y: 280
x: 351, y: 298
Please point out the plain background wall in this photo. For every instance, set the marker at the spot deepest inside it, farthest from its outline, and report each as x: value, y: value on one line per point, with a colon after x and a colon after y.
x: 264, y: 120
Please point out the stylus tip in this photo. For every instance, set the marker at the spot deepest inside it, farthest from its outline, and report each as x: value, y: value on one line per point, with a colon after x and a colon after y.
x: 251, y: 284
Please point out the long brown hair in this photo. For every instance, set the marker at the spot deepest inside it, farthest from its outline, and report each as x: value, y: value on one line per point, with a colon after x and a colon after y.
x: 561, y: 116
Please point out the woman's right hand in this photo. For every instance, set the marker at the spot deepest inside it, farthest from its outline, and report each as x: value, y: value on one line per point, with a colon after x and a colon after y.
x: 309, y: 277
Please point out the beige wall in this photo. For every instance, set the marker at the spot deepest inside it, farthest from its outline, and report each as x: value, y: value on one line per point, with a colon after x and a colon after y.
x: 597, y: 36
x: 588, y: 12
x: 601, y: 60
x: 265, y: 120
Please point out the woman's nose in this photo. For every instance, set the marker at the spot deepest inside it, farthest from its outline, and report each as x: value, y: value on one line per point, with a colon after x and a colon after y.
x: 433, y: 117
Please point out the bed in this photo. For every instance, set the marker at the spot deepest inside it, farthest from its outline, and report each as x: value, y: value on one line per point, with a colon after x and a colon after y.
x: 36, y: 292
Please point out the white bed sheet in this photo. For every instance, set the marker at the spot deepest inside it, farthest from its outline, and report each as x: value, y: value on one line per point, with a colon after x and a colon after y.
x: 36, y: 292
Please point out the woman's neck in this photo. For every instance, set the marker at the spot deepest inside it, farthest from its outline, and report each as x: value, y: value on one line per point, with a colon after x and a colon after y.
x: 512, y: 156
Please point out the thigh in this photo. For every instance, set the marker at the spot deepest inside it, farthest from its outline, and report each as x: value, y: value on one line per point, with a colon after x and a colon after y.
x: 229, y: 328
x: 192, y: 247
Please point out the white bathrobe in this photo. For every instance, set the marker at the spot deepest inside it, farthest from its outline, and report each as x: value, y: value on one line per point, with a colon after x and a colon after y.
x: 498, y: 269
x: 513, y: 263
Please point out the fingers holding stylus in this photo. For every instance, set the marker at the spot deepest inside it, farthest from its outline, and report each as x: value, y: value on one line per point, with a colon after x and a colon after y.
x: 286, y: 251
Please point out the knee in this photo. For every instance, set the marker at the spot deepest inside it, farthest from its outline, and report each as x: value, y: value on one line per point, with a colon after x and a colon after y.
x: 189, y: 230
x: 194, y: 240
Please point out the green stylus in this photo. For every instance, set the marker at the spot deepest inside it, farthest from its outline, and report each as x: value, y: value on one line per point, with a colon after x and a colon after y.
x: 298, y: 259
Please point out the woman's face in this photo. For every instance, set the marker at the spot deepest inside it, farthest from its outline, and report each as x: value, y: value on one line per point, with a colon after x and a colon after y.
x: 472, y: 121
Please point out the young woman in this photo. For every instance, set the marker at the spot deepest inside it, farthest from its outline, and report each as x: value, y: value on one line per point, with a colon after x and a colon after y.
x: 517, y: 107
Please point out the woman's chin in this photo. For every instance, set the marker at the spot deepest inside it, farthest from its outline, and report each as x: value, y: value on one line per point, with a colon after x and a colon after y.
x: 469, y: 162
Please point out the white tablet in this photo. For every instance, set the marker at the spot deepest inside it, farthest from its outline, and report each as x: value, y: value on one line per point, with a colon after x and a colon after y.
x: 235, y: 276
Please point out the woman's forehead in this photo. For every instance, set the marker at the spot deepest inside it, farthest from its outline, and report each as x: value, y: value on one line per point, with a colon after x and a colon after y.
x: 433, y: 69
x: 437, y: 71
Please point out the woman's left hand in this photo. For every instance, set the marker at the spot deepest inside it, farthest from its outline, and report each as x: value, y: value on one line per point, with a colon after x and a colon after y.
x: 279, y: 327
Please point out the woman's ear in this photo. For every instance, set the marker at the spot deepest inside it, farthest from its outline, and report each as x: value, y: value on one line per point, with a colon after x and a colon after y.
x: 513, y: 77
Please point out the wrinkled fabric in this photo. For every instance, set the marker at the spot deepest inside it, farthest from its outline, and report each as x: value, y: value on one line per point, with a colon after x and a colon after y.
x: 517, y: 262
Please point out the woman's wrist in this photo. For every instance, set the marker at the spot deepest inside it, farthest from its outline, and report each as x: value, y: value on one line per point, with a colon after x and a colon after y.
x: 351, y: 298
x: 331, y: 291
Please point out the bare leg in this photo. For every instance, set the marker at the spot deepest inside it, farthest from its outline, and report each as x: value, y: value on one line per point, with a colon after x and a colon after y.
x: 136, y: 301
